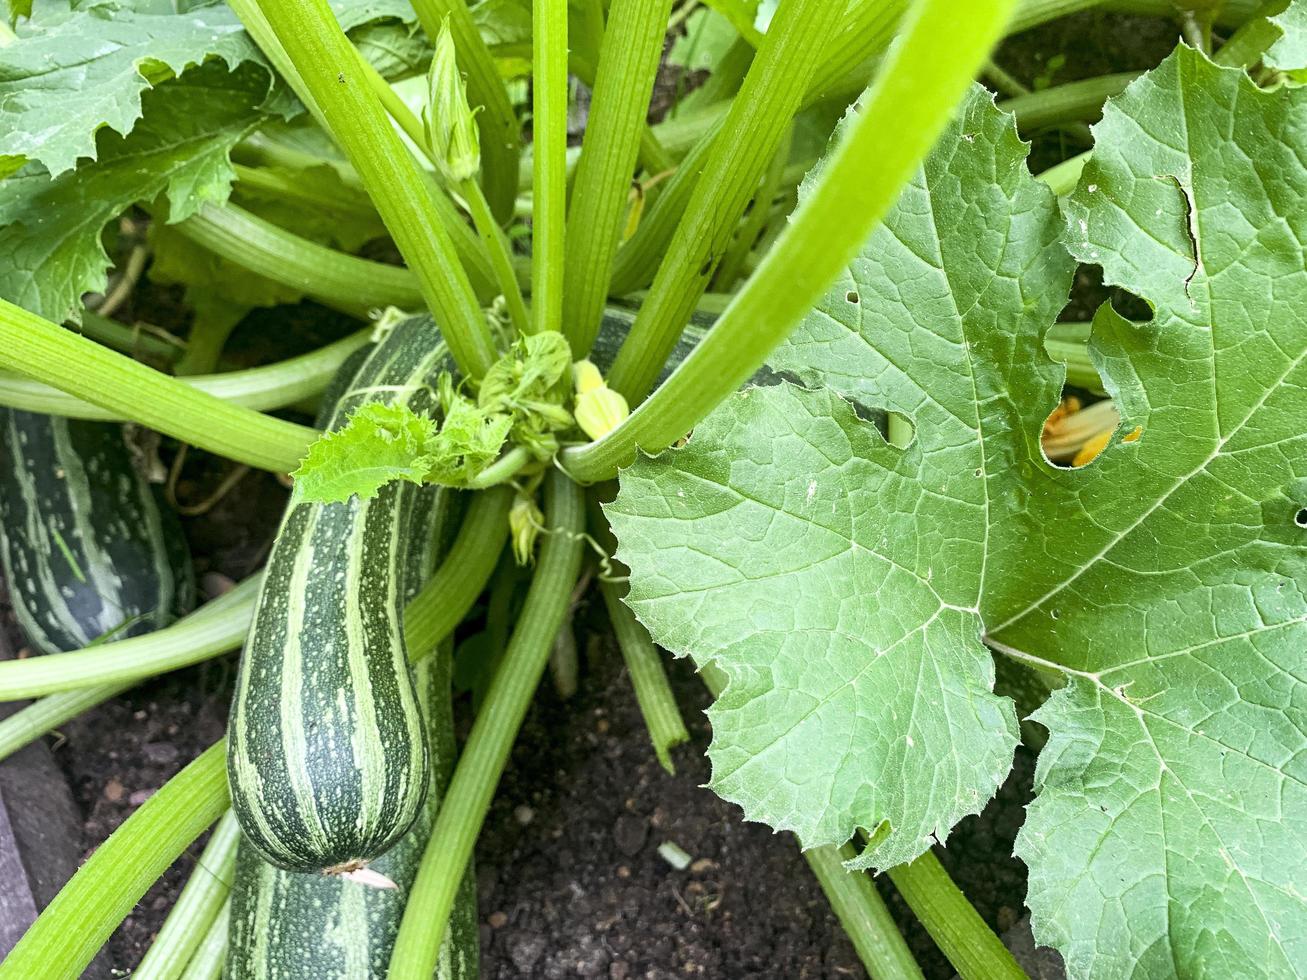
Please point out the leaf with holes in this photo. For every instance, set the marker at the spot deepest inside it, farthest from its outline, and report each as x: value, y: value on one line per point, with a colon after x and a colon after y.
x: 1172, y: 806
x: 848, y: 587
x: 837, y: 579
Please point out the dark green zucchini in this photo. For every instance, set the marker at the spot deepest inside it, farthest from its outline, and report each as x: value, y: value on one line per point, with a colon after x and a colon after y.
x: 327, y: 756
x: 87, y: 551
x: 288, y: 925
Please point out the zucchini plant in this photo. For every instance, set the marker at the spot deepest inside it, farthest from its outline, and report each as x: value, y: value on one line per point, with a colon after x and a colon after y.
x: 779, y: 373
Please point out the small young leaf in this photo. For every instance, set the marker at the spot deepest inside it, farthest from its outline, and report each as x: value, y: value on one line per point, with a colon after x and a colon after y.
x: 380, y: 443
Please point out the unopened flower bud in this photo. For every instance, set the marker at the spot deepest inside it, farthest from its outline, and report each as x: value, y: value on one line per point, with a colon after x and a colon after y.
x: 525, y: 521
x: 451, y: 126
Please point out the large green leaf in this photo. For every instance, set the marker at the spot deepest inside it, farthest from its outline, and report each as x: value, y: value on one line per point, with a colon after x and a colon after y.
x: 835, y: 578
x: 1166, y: 582
x: 74, y: 72
x: 65, y: 79
x: 50, y: 228
x: 1172, y: 807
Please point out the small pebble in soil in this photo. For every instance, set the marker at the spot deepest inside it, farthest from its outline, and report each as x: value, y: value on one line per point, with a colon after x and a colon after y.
x: 497, y: 920
x: 630, y: 833
x: 523, y: 814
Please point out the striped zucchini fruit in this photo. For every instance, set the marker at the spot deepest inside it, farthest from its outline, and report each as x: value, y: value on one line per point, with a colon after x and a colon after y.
x: 288, y: 925
x: 326, y: 751
x: 87, y: 551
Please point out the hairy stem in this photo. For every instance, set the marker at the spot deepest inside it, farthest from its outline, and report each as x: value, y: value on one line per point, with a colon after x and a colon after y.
x: 450, y: 592
x: 464, y: 807
x: 862, y: 913
x: 915, y: 93
x: 628, y: 61
x: 327, y: 63
x: 549, y: 163
x: 958, y: 930
x: 259, y: 388
x: 197, y: 907
x: 211, y: 630
x: 501, y: 259
x: 65, y: 937
x: 643, y: 662
x: 210, y: 957
x: 42, y: 350
x: 744, y: 148
x: 46, y: 714
x: 1080, y: 101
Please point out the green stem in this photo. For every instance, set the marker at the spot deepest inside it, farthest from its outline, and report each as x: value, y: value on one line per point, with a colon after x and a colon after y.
x: 958, y: 930
x: 197, y: 907
x: 209, y: 959
x: 862, y: 913
x: 463, y: 810
x: 501, y: 259
x: 751, y: 228
x: 1246, y: 46
x: 1006, y: 83
x: 1066, y: 344
x: 867, y: 30
x: 261, y: 388
x: 501, y: 137
x: 467, y: 244
x: 141, y: 339
x: 214, y: 320
x: 652, y: 691
x: 1080, y: 101
x: 852, y: 895
x: 1063, y: 178
x: 348, y: 283
x: 742, y: 151
x: 65, y: 937
x: 44, y: 715
x: 213, y: 629
x: 549, y: 163
x: 397, y: 108
x: 628, y: 62
x: 326, y: 62
x: 501, y: 470
x: 450, y: 592
x: 43, y: 350
x: 278, y: 183
x: 913, y: 97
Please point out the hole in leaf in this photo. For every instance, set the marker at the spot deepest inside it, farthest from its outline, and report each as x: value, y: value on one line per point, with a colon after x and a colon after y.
x: 1300, y: 518
x: 1075, y: 433
x: 852, y: 296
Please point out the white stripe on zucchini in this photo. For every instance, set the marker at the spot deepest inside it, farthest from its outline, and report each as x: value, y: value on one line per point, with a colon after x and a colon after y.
x: 327, y: 753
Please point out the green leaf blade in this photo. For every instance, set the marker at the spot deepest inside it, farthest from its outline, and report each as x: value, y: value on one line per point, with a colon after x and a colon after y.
x: 63, y: 82
x: 879, y: 710
x: 788, y: 584
x: 50, y: 228
x: 381, y: 443
x: 1173, y: 793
